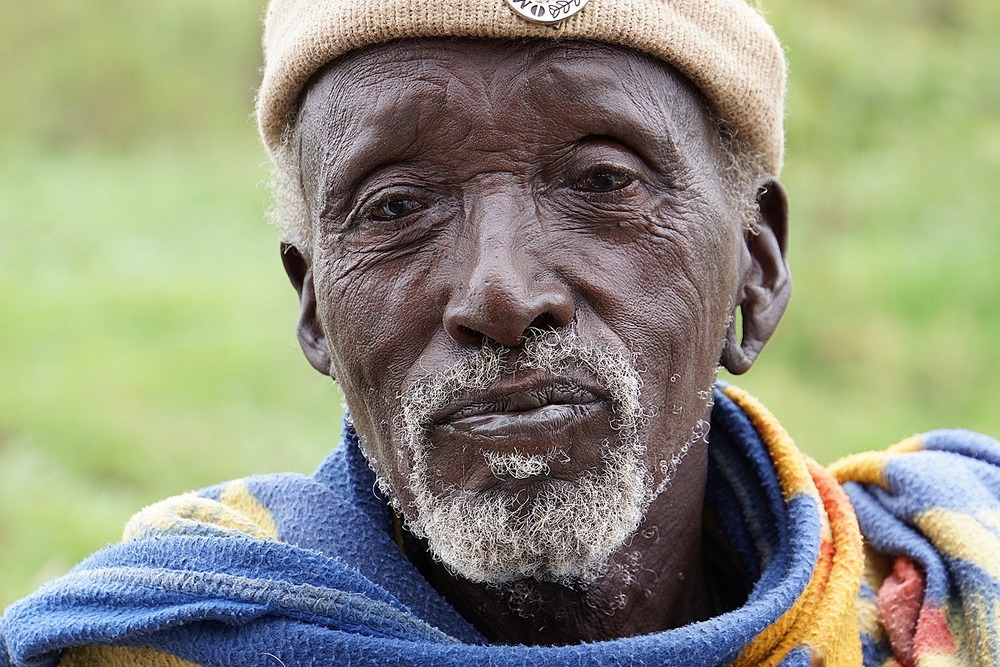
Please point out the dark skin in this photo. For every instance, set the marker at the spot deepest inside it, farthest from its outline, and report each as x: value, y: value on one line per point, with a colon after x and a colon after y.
x: 464, y: 191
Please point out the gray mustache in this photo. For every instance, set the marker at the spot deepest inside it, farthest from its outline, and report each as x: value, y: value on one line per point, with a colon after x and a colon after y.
x: 552, y: 354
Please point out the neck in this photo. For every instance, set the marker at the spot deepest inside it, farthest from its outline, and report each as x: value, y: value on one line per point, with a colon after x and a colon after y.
x: 654, y: 582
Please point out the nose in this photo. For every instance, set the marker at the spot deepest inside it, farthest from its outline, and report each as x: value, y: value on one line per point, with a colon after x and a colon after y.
x: 508, y: 288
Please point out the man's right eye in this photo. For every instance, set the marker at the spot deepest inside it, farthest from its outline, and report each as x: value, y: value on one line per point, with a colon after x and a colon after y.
x: 394, y: 208
x: 604, y: 180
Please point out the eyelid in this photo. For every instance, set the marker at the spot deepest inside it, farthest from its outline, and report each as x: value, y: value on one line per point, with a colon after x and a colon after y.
x: 389, y: 197
x: 606, y: 147
x: 378, y: 196
x: 629, y: 173
x: 597, y: 152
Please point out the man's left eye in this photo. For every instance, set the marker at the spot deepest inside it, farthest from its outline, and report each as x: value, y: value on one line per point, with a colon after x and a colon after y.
x: 393, y: 209
x: 603, y: 180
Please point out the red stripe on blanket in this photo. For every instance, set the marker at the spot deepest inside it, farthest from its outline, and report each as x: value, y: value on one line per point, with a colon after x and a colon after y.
x: 913, y: 629
x: 899, y: 600
x: 933, y: 634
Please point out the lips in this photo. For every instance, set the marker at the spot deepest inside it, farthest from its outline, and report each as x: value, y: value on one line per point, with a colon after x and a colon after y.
x: 523, y: 406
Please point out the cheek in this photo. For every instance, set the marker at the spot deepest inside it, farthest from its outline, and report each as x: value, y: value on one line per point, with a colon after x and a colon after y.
x: 667, y: 297
x: 379, y: 321
x: 376, y: 316
x: 689, y: 312
x: 662, y: 293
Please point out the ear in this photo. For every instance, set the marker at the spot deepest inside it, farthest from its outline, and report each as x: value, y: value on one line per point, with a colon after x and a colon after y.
x: 311, y: 336
x: 766, y: 285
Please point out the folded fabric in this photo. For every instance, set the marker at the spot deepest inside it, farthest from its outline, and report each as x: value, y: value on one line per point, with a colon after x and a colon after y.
x: 930, y: 512
x: 294, y: 570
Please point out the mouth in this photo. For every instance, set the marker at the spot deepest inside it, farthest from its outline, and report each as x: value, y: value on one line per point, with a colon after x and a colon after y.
x: 523, y: 406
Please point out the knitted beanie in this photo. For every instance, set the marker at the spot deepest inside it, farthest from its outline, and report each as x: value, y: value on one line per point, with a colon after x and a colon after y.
x: 723, y: 46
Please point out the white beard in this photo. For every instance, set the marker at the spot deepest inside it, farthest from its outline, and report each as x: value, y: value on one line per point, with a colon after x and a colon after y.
x: 562, y: 531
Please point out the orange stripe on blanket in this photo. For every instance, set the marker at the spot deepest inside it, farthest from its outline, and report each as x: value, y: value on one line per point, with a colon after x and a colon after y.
x: 824, y: 617
x: 833, y: 626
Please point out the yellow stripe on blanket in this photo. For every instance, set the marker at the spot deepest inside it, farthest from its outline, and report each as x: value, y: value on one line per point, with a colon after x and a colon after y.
x: 793, y: 477
x: 977, y: 648
x: 869, y: 622
x: 960, y: 535
x: 869, y: 467
x: 237, y: 510
x: 943, y: 661
x: 237, y: 496
x: 120, y: 656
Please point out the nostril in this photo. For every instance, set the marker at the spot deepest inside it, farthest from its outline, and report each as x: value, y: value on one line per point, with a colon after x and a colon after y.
x: 503, y: 313
x: 468, y: 335
x: 545, y: 321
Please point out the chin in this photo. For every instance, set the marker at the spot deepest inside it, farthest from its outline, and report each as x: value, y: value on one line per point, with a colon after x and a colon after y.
x: 543, y: 528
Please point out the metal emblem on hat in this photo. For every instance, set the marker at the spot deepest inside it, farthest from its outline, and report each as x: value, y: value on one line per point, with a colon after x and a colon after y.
x: 547, y: 12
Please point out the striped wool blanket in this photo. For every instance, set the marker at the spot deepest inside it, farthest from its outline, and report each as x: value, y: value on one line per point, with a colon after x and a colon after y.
x: 293, y: 570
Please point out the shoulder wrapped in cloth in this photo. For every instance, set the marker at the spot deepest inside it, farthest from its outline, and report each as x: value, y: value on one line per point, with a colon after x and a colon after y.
x: 290, y: 570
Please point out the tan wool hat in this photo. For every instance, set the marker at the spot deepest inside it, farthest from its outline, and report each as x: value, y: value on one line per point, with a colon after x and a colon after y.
x: 724, y: 46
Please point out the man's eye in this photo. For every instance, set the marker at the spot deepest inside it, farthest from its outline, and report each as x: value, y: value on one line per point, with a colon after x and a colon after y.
x: 393, y: 209
x: 603, y: 180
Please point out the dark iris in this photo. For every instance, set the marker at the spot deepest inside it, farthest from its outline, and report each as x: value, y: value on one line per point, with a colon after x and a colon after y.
x: 604, y: 181
x: 394, y: 208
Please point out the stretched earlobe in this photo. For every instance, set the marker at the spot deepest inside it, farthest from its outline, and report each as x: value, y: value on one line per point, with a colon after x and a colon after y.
x: 312, y: 338
x: 734, y: 358
x: 766, y: 285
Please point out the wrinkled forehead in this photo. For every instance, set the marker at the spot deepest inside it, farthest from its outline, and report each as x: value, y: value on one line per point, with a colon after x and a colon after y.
x: 440, y: 89
x: 559, y: 66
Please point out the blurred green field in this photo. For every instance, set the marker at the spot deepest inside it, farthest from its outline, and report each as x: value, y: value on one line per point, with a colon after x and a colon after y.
x: 146, y: 328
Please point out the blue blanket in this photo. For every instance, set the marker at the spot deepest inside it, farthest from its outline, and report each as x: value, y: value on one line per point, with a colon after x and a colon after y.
x: 295, y: 570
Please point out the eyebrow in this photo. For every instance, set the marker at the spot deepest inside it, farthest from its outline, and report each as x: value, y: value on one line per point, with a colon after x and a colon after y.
x: 607, y: 106
x: 646, y: 125
x: 355, y: 150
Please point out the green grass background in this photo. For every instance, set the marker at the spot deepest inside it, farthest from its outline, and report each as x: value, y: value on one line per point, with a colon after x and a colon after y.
x: 146, y: 328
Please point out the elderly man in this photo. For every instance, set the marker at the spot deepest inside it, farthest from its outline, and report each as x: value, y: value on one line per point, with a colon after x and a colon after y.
x: 524, y: 237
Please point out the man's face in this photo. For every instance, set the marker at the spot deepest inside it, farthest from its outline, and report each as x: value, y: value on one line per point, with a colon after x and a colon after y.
x: 524, y: 263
